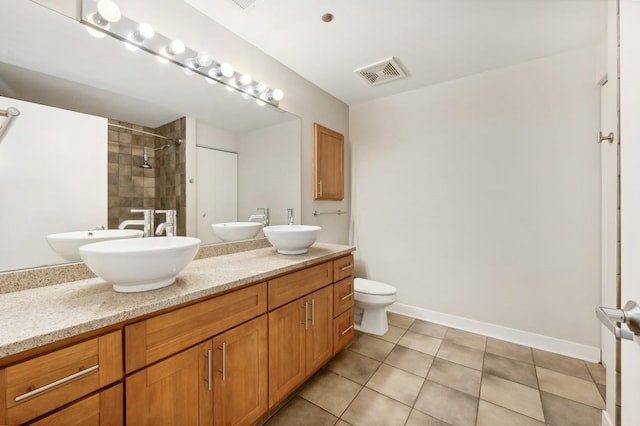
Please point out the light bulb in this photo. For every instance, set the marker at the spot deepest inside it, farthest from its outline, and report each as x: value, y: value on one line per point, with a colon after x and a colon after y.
x: 146, y: 30
x: 226, y: 69
x: 244, y: 80
x: 162, y: 59
x: 176, y: 47
x: 277, y: 95
x: 260, y: 102
x: 188, y: 71
x: 203, y: 60
x: 223, y: 70
x: 260, y: 88
x: 109, y: 11
x: 210, y: 80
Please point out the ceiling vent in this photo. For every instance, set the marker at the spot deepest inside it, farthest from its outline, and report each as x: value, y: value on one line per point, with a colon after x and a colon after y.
x: 382, y: 72
x: 245, y: 4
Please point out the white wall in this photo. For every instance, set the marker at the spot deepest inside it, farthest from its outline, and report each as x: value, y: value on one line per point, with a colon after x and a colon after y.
x: 269, y: 171
x: 480, y: 197
x: 70, y: 150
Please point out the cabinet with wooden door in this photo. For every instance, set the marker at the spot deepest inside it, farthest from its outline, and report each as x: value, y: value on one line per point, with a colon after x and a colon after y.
x: 343, y: 302
x: 328, y: 164
x: 221, y: 381
x: 61, y: 378
x: 300, y: 342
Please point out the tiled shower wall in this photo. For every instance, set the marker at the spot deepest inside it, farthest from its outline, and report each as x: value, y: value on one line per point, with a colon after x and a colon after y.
x: 130, y: 186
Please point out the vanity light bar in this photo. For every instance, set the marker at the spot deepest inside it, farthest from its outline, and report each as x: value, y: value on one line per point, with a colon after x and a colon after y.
x: 171, y: 50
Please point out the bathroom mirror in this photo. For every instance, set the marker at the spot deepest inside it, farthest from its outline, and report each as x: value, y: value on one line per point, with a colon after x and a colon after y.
x: 50, y: 59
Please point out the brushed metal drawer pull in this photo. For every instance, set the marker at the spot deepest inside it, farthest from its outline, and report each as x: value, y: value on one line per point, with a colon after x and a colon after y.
x: 342, y: 333
x: 349, y: 266
x: 313, y: 312
x: 223, y: 348
x: 209, y: 368
x: 35, y: 392
x: 347, y: 296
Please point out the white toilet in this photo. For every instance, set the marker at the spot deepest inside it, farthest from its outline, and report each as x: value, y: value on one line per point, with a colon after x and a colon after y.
x: 372, y: 299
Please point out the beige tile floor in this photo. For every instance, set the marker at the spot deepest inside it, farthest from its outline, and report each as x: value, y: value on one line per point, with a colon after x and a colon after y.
x: 421, y: 373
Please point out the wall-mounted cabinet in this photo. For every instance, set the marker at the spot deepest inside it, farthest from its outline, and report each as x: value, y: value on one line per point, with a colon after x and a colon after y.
x: 328, y: 164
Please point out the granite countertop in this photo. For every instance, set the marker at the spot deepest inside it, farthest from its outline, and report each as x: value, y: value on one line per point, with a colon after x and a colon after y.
x: 38, y: 316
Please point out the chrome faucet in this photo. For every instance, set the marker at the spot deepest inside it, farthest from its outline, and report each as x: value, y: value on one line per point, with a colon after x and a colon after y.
x: 290, y: 216
x: 146, y: 223
x: 264, y: 216
x: 169, y: 224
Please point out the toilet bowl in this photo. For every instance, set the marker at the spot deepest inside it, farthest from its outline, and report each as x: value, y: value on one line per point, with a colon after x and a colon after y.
x: 372, y: 299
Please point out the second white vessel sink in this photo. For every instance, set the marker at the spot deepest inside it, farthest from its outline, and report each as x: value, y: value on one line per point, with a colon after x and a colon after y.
x: 236, y: 231
x: 66, y: 244
x: 292, y: 239
x: 140, y: 264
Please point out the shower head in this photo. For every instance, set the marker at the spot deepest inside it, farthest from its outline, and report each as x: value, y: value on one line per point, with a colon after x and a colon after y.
x: 145, y: 158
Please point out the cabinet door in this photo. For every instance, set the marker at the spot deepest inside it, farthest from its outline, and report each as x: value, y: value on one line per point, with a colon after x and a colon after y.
x: 328, y: 164
x: 240, y: 374
x: 176, y: 391
x: 101, y: 409
x: 319, y: 336
x: 286, y: 350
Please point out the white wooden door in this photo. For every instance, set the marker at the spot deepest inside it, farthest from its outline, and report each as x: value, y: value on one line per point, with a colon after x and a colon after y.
x: 630, y: 198
x: 216, y: 190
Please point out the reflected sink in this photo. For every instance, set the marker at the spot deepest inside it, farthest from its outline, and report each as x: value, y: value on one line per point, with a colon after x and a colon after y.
x: 292, y: 239
x: 66, y: 244
x: 236, y: 231
x: 140, y: 264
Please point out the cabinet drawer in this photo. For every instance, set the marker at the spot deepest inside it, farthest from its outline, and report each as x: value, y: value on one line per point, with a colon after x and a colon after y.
x: 102, y: 409
x: 163, y: 335
x: 343, y: 268
x: 292, y: 286
x: 343, y: 297
x: 343, y: 330
x: 41, y: 384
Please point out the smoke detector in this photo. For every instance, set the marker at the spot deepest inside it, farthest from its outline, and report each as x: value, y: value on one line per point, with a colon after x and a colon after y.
x: 382, y: 72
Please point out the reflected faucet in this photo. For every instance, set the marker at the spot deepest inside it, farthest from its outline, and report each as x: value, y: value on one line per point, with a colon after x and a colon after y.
x: 264, y: 216
x: 169, y: 224
x: 290, y: 216
x: 146, y: 223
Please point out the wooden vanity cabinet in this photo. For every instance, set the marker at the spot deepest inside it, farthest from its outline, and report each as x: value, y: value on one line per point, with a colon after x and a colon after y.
x: 220, y: 381
x: 102, y: 409
x: 300, y: 342
x: 177, y: 390
x: 343, y: 302
x: 48, y: 382
x: 240, y: 374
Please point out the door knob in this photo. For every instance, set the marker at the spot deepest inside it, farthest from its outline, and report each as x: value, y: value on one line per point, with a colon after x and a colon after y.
x: 630, y: 315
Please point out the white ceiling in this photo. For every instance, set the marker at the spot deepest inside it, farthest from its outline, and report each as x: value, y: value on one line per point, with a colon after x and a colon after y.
x: 434, y: 40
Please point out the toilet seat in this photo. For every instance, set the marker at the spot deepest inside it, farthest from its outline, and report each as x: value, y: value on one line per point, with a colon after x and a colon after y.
x: 376, y: 288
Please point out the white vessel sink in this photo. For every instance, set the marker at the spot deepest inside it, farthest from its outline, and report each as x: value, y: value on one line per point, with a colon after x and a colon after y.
x: 140, y: 264
x: 292, y: 239
x: 66, y: 244
x: 236, y: 231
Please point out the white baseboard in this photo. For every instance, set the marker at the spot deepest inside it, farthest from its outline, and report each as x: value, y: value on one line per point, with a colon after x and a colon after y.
x: 538, y: 341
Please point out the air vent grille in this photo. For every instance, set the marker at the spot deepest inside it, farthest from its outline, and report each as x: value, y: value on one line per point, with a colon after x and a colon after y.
x: 245, y: 4
x: 382, y: 72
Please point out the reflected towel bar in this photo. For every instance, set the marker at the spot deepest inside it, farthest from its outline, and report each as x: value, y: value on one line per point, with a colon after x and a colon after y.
x: 339, y: 212
x: 10, y: 113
